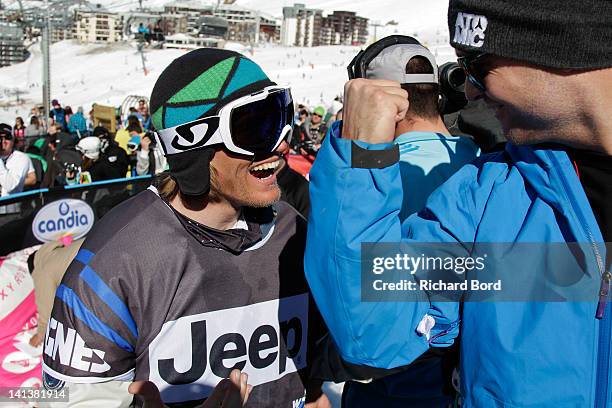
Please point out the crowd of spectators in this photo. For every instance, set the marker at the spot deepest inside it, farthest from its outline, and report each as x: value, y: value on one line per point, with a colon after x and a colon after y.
x: 68, y: 148
x: 311, y: 125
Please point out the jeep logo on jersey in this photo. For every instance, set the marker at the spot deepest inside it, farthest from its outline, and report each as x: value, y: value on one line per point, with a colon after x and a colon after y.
x: 470, y: 29
x: 68, y: 346
x: 267, y: 340
x: 63, y: 217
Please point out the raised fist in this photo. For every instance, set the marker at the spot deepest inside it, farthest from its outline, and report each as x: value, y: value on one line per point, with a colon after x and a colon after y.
x: 372, y: 107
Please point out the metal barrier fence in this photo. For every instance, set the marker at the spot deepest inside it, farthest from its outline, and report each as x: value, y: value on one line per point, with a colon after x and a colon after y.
x: 18, y: 211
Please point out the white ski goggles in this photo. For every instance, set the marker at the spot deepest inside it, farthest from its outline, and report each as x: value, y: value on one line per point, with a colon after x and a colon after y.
x: 253, y: 125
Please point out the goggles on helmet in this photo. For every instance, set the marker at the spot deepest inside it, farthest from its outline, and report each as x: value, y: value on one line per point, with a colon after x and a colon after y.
x: 252, y: 125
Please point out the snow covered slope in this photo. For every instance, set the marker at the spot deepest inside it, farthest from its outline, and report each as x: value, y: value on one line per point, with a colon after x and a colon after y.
x: 106, y: 74
x: 83, y: 74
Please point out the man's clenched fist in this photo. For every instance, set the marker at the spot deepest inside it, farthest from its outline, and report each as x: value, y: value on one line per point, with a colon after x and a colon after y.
x: 372, y: 107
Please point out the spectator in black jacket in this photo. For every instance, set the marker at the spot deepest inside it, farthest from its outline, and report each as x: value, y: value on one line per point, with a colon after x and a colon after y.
x: 61, y: 152
x: 116, y: 158
x: 300, y: 131
x: 94, y: 161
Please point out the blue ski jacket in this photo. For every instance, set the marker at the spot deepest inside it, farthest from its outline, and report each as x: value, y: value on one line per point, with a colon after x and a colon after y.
x: 77, y: 123
x: 513, y: 354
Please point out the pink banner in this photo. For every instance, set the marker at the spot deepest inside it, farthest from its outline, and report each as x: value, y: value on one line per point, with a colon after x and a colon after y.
x: 19, y: 362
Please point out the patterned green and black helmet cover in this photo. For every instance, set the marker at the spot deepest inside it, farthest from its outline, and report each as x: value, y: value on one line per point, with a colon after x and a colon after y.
x: 196, y: 85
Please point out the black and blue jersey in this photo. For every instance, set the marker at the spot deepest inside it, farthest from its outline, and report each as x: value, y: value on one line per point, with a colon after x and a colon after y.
x: 153, y: 296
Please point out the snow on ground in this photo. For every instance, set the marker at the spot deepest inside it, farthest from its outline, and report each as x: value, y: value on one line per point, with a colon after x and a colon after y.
x: 106, y: 74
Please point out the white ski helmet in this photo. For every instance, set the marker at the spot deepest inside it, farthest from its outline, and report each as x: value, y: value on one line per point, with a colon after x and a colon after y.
x: 89, y: 147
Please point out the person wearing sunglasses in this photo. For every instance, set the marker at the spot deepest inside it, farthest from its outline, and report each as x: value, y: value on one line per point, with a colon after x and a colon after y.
x: 217, y: 282
x: 546, y: 69
x: 16, y: 170
x: 317, y: 129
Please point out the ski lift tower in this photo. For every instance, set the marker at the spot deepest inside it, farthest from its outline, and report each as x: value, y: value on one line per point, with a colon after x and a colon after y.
x: 376, y: 24
x: 41, y: 18
x: 45, y: 43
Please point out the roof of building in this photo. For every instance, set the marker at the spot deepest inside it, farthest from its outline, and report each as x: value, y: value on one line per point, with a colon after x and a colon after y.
x: 213, y: 21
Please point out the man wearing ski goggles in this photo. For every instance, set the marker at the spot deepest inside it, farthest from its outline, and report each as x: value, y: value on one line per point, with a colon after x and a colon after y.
x: 220, y: 260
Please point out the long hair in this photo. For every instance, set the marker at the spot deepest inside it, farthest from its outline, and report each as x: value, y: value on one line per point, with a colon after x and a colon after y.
x: 87, y: 163
x: 168, y: 188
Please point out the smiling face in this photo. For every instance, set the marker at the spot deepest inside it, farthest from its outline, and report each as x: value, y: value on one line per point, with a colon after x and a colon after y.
x: 530, y: 102
x: 243, y: 182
